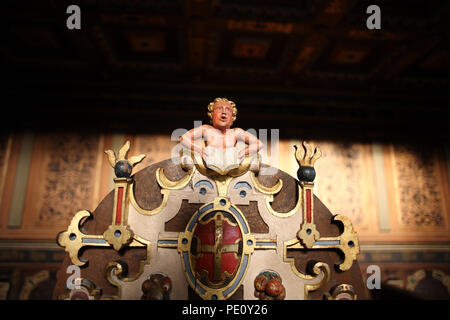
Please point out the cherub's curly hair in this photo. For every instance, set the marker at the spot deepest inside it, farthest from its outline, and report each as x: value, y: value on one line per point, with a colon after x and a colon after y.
x: 211, y: 107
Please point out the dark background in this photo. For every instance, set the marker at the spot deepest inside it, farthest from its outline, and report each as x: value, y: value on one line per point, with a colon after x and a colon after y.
x: 310, y: 68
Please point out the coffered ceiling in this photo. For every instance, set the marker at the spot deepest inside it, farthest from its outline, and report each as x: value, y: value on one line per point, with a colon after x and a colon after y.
x: 309, y: 68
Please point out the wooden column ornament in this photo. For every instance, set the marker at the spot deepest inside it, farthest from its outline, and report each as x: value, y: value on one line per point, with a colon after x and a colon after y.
x: 308, y: 233
x: 119, y: 233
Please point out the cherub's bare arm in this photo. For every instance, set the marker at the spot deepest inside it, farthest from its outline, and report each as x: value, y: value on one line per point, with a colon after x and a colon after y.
x: 253, y: 143
x: 193, y: 139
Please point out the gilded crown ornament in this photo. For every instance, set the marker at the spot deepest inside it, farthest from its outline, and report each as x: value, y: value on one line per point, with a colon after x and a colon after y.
x: 123, y: 166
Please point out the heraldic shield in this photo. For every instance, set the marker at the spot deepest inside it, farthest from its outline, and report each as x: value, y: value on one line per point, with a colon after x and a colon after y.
x: 215, y: 249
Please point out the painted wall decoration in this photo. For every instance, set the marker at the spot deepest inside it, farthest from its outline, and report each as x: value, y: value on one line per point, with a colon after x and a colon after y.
x: 421, y: 199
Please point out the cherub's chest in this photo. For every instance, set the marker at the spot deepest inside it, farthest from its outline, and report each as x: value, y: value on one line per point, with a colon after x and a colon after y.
x: 219, y: 140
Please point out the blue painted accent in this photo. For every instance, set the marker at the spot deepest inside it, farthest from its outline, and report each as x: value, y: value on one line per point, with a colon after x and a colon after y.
x: 189, y: 272
x: 93, y: 240
x: 240, y: 218
x: 194, y: 221
x: 167, y: 241
x: 237, y: 280
x: 242, y: 184
x: 204, y: 183
x: 327, y: 243
x: 204, y: 209
x: 266, y: 244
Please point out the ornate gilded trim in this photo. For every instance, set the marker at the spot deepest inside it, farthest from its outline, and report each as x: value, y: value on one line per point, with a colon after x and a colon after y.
x: 269, y: 192
x: 116, y: 268
x: 165, y: 183
x: 269, y: 200
x: 266, y: 190
x: 164, y: 192
x: 347, y: 242
x: 73, y: 239
x: 342, y: 292
x: 319, y: 267
x: 166, y: 186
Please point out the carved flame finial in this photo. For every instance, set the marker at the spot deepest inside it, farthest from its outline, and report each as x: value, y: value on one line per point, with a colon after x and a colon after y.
x: 123, y: 166
x: 307, y: 157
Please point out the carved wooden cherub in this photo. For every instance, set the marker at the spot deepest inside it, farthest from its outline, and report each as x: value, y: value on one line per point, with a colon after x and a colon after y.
x: 220, y: 138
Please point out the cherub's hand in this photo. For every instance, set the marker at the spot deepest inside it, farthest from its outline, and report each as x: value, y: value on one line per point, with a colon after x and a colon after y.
x: 204, y: 154
x: 243, y: 153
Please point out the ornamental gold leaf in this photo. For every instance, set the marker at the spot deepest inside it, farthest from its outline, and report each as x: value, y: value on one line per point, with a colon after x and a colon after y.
x: 136, y: 159
x: 111, y: 157
x: 124, y: 151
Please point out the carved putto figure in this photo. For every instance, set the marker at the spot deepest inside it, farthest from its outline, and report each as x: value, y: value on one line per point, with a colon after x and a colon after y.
x: 219, y: 143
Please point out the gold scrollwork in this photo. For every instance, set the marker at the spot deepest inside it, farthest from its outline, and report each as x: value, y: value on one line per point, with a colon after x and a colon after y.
x: 269, y: 200
x: 319, y: 268
x: 73, y: 239
x: 167, y: 185
x: 342, y: 292
x: 347, y: 242
x: 116, y: 268
x: 164, y: 192
x: 266, y: 190
x: 269, y: 192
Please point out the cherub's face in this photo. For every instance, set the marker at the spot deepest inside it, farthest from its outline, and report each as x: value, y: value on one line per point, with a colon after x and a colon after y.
x: 222, y: 116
